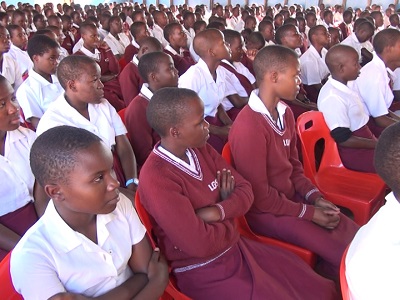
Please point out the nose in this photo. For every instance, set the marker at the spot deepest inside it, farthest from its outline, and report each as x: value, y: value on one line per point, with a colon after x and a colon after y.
x: 12, y: 107
x: 113, y: 183
x: 206, y: 124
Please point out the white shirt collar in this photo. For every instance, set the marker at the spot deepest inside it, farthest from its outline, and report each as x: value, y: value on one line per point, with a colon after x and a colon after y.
x: 135, y: 60
x: 95, y: 55
x: 134, y: 43
x: 42, y: 81
x: 145, y: 91
x: 340, y: 86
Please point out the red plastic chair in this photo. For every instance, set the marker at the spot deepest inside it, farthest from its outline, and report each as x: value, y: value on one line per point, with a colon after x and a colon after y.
x: 121, y: 114
x: 7, y: 291
x: 244, y: 229
x: 362, y: 193
x: 171, y: 292
x: 342, y: 274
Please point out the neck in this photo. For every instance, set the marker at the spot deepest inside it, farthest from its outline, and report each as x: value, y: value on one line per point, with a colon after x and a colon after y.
x: 81, y: 107
x: 392, y: 65
x: 44, y: 75
x: 341, y: 80
x: 176, y: 48
x: 91, y: 49
x: 318, y: 48
x: 176, y: 150
x: 212, y: 66
x: 269, y: 99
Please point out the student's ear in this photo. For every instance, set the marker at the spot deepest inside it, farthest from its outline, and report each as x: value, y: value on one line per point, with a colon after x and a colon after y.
x: 144, y: 50
x: 174, y: 132
x: 54, y: 192
x: 273, y: 76
x: 152, y: 77
x: 71, y: 85
x: 35, y: 58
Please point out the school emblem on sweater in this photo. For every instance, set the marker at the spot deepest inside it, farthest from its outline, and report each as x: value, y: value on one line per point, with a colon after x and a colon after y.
x: 286, y: 142
x: 213, y: 185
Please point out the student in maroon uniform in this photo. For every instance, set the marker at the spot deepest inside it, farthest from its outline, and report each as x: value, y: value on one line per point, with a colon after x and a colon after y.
x: 193, y: 211
x: 157, y: 71
x: 102, y: 54
x: 130, y: 79
x: 139, y: 31
x: 286, y: 204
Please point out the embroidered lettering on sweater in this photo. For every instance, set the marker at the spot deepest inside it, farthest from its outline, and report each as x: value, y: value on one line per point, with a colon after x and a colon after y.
x: 213, y: 185
x: 286, y: 142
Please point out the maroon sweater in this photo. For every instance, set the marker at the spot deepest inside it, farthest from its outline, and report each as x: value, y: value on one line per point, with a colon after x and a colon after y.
x: 130, y: 82
x: 172, y: 194
x: 267, y: 157
x: 182, y: 64
x: 141, y: 136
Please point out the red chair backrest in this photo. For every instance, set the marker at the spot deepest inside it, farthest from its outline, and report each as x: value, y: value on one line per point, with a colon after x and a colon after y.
x: 311, y: 128
x: 227, y: 154
x: 343, y: 281
x: 7, y: 291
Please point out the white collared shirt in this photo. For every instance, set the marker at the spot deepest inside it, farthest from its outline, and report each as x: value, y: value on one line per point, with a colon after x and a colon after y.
x: 35, y: 94
x: 104, y: 120
x: 11, y: 71
x: 22, y: 58
x: 313, y: 66
x: 145, y: 91
x: 352, y: 41
x: 341, y: 106
x: 17, y: 180
x: 190, y: 35
x: 52, y: 258
x: 373, y: 86
x: 158, y: 33
x: 117, y: 46
x: 95, y: 55
x: 242, y: 69
x: 199, y: 79
x: 78, y: 46
x: 373, y: 259
x: 135, y: 60
x: 256, y: 104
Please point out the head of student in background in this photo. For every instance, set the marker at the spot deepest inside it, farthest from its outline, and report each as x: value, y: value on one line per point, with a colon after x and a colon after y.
x: 336, y: 36
x: 289, y: 36
x: 211, y: 45
x: 319, y: 36
x: 266, y: 28
x: 44, y: 53
x: 236, y: 42
x: 18, y: 36
x: 342, y: 62
x: 387, y: 46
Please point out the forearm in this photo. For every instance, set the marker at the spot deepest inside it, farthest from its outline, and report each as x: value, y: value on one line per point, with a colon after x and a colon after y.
x: 238, y: 101
x: 34, y: 121
x: 394, y: 116
x: 359, y: 142
x: 126, y: 156
x: 108, y: 77
x: 8, y: 238
x: 384, y: 121
x: 223, y: 116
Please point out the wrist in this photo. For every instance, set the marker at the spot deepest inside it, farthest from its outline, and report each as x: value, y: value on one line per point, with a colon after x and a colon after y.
x: 133, y: 181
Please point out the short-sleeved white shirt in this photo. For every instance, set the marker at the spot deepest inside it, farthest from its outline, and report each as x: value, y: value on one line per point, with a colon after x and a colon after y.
x: 313, y: 67
x: 11, y: 71
x: 17, y: 180
x: 396, y: 81
x: 52, y: 258
x: 199, y: 79
x: 352, y: 41
x: 341, y: 106
x: 104, y: 120
x: 158, y: 33
x: 117, y: 46
x: 373, y: 258
x: 35, y: 94
x: 22, y: 58
x: 373, y: 86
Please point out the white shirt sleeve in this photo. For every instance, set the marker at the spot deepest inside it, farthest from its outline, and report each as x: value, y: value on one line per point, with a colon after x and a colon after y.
x: 335, y: 112
x: 29, y: 102
x: 137, y: 229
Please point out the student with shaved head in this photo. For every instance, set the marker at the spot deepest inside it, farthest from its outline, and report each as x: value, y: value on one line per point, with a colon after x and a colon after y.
x: 344, y: 112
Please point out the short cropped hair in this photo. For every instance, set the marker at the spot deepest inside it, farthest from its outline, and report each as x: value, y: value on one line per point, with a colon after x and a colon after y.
x: 230, y: 35
x: 256, y: 39
x: 273, y: 57
x: 264, y: 24
x: 167, y: 108
x: 282, y: 31
x: 386, y: 38
x: 12, y: 28
x: 39, y: 44
x: 135, y: 28
x: 54, y: 153
x: 387, y: 157
x: 149, y: 63
x: 169, y: 28
x: 73, y: 67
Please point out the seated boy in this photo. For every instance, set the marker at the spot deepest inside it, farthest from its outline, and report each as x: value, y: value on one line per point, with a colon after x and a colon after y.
x: 130, y: 79
x: 157, y: 71
x: 286, y: 204
x: 102, y: 54
x: 41, y: 88
x: 139, y: 32
x: 376, y: 80
x: 17, y: 51
x: 208, y: 79
x: 116, y: 38
x: 90, y: 241
x: 344, y: 112
x: 177, y: 42
x: 376, y: 244
x: 314, y: 71
x: 193, y: 211
x: 266, y: 28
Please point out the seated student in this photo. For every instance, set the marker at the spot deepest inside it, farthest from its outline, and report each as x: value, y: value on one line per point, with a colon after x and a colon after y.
x: 302, y: 29
x: 287, y: 205
x: 363, y: 31
x: 266, y: 28
x: 19, y: 41
x: 394, y: 21
x: 378, y: 74
x: 336, y: 37
x: 69, y: 40
x: 254, y: 43
x: 251, y: 23
x: 344, y: 112
x: 116, y: 39
x: 157, y: 71
x: 41, y: 87
x: 18, y: 17
x: 39, y: 22
x: 102, y: 54
x: 346, y: 27
x: 314, y: 71
x: 160, y: 21
x: 139, y: 31
x: 90, y: 241
x: 198, y: 27
x: 22, y: 199
x: 60, y: 39
x: 130, y: 79
x: 193, y: 211
x: 9, y: 68
x: 188, y: 24
x: 376, y: 244
x: 241, y: 78
x: 208, y: 79
x: 82, y: 105
x: 311, y: 21
x: 177, y: 40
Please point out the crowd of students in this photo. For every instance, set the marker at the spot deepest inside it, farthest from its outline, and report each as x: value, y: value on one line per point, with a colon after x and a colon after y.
x: 186, y: 81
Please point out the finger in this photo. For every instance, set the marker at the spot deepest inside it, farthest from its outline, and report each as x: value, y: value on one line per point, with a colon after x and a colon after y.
x: 232, y: 183
x: 156, y: 254
x: 228, y: 178
x: 219, y: 177
x: 223, y: 179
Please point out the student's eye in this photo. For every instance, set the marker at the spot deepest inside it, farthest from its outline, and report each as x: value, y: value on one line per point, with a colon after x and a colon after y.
x: 2, y: 104
x: 14, y: 99
x: 99, y: 178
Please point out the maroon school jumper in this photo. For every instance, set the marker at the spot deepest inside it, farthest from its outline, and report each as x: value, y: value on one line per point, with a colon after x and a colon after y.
x: 211, y: 260
x: 130, y: 52
x: 267, y: 157
x: 141, y: 136
x: 112, y: 90
x: 130, y: 82
x: 359, y: 159
x: 182, y: 63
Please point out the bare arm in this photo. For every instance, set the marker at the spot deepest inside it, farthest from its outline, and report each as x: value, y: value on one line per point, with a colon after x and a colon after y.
x: 384, y: 121
x: 34, y: 121
x: 127, y: 158
x: 359, y: 142
x: 238, y: 101
x: 8, y: 238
